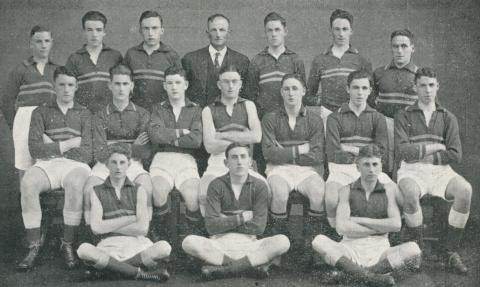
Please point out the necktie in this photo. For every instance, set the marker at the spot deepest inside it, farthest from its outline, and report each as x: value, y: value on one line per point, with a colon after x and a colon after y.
x: 217, y: 62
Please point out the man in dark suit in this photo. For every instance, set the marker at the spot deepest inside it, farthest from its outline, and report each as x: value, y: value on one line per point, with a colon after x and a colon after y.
x: 202, y: 65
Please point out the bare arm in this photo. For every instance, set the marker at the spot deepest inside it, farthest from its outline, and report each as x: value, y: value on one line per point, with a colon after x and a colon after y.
x: 103, y: 226
x: 345, y: 225
x: 393, y: 222
x: 212, y: 144
x: 251, y: 135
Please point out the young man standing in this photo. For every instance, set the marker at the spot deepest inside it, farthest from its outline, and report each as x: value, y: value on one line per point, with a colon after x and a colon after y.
x: 176, y: 133
x: 393, y: 84
x: 29, y: 85
x: 91, y: 64
x: 120, y: 218
x: 367, y: 211
x: 60, y: 141
x: 228, y: 119
x: 293, y: 146
x: 236, y: 213
x: 354, y: 125
x: 269, y: 66
x: 120, y: 121
x: 329, y: 71
x: 202, y: 66
x: 427, y: 141
x: 149, y: 60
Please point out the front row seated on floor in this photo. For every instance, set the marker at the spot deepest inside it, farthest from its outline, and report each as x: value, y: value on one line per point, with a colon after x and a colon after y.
x: 235, y: 214
x: 119, y: 215
x: 367, y: 211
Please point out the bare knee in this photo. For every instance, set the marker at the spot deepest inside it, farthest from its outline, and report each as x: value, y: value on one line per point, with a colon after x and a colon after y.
x: 86, y: 251
x: 145, y: 181
x: 160, y: 249
x: 461, y: 189
x: 33, y: 182
x: 281, y: 242
x: 191, y: 244
x: 410, y: 192
x: 279, y: 187
x: 190, y: 193
x: 314, y: 188
x: 321, y: 243
x: 160, y: 191
x: 410, y: 250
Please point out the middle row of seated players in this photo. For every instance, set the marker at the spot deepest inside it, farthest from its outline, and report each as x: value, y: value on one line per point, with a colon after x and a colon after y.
x: 293, y: 144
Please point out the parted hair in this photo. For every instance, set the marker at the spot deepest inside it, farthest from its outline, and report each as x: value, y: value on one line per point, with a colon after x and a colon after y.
x: 217, y: 15
x: 425, y: 72
x: 403, y: 32
x: 370, y: 150
x: 38, y: 29
x: 360, y: 74
x: 120, y: 69
x: 62, y: 70
x: 274, y: 16
x: 341, y: 14
x: 94, y: 16
x: 297, y: 77
x: 234, y: 145
x: 175, y: 70
x: 229, y: 68
x: 120, y: 148
x: 150, y: 14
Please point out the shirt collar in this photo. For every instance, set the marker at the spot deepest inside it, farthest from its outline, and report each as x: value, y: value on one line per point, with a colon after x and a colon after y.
x: 218, y: 100
x: 302, y: 112
x: 188, y: 103
x: 358, y: 186
x: 227, y: 179
x: 30, y: 61
x: 213, y: 51
x: 350, y: 49
x: 415, y: 107
x: 286, y: 52
x: 111, y: 108
x: 76, y: 106
x: 410, y: 67
x: 126, y: 183
x: 345, y: 108
x: 83, y: 50
x: 162, y: 48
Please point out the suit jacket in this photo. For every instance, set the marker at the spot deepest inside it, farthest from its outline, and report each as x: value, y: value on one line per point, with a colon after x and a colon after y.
x: 198, y: 65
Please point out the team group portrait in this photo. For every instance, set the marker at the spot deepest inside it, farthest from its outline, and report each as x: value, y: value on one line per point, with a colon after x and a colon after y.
x: 149, y: 157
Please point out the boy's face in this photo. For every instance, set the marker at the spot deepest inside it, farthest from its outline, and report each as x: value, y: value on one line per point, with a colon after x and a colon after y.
x: 341, y: 31
x: 402, y: 50
x: 218, y: 32
x: 230, y: 84
x: 41, y: 43
x: 65, y: 88
x: 117, y: 164
x: 359, y: 90
x: 276, y: 33
x: 94, y: 32
x: 292, y: 92
x: 238, y: 161
x: 175, y: 85
x: 427, y: 89
x: 121, y: 87
x: 151, y: 30
x: 369, y: 168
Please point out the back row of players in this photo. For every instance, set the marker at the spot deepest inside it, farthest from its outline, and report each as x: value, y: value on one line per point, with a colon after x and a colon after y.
x: 62, y: 136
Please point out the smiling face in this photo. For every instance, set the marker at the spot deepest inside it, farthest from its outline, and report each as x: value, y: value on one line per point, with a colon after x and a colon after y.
x: 94, y: 32
x: 341, y: 32
x: 369, y: 168
x: 151, y: 30
x: 175, y: 85
x: 402, y: 50
x: 41, y: 43
x: 121, y: 87
x: 65, y: 88
x: 427, y: 89
x: 218, y: 32
x: 117, y: 164
x: 276, y: 33
x: 292, y: 92
x: 359, y: 90
x: 238, y: 161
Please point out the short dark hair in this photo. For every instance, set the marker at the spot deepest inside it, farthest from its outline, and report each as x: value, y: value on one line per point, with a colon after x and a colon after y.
x: 217, y: 15
x: 121, y: 69
x: 38, y: 29
x: 403, y: 32
x: 120, y: 148
x: 94, y: 16
x: 235, y: 145
x: 341, y: 14
x: 370, y: 150
x: 360, y: 74
x: 175, y: 70
x: 62, y: 70
x: 425, y: 72
x: 229, y: 68
x: 150, y: 14
x: 274, y: 16
x: 297, y: 77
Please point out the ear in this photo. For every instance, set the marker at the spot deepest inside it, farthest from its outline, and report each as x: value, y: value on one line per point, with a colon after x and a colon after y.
x: 110, y: 85
x: 164, y: 85
x: 225, y: 162
x: 219, y: 85
x: 413, y: 48
x: 186, y: 84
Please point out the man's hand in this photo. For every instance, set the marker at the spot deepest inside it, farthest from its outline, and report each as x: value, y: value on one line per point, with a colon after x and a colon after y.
x: 304, y: 148
x: 433, y: 148
x: 47, y: 139
x: 69, y: 144
x: 185, y: 132
x: 247, y: 215
x: 142, y: 139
